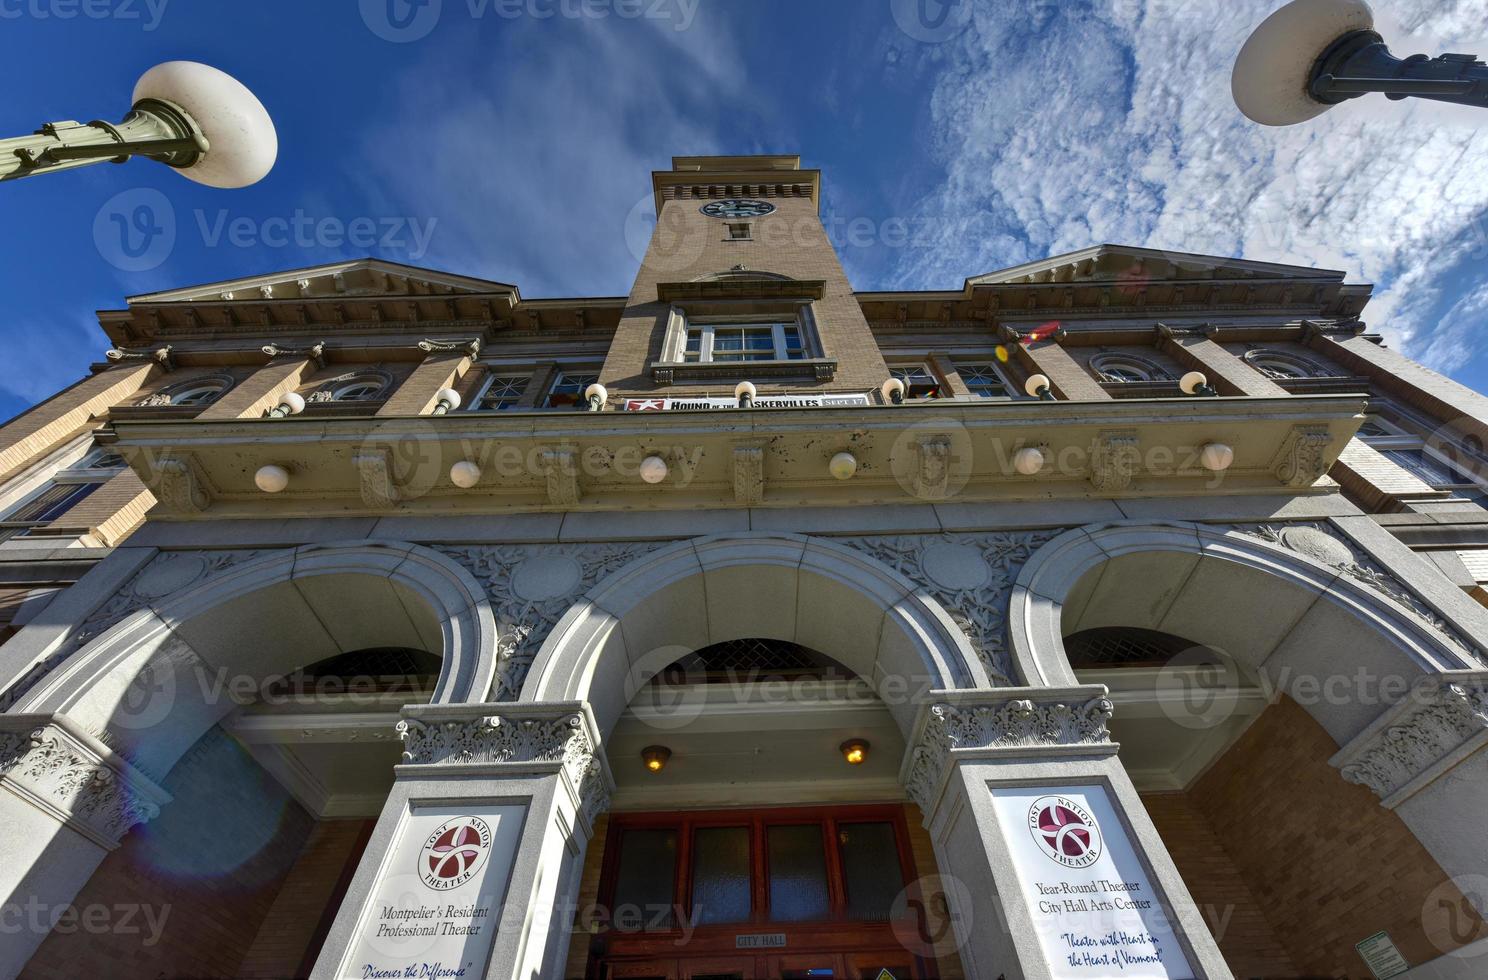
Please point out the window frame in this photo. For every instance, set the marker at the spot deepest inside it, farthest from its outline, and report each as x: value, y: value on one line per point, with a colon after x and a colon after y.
x: 1149, y: 370
x: 1402, y: 440
x: 903, y: 370
x: 493, y: 375
x: 587, y: 376
x: 780, y: 348
x: 672, y: 364
x: 990, y: 367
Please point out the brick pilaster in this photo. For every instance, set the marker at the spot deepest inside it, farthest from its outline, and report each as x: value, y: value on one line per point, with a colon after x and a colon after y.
x: 415, y: 396
x: 1227, y: 374
x: 260, y: 391
x: 1067, y: 377
x: 41, y: 429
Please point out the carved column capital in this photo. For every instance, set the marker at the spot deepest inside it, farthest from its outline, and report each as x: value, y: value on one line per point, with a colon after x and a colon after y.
x: 1002, y: 722
x: 511, y: 739
x: 1301, y: 460
x: 179, y: 484
x: 1113, y: 461
x: 54, y: 765
x: 1442, y: 722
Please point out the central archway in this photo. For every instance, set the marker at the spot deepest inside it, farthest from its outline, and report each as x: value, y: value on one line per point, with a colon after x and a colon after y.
x: 811, y: 591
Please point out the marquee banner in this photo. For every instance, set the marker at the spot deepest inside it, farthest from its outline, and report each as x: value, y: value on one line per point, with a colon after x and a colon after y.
x: 760, y: 401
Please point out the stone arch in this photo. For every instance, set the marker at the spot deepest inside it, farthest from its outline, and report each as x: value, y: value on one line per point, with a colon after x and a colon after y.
x: 864, y: 615
x: 156, y: 680
x: 1291, y: 602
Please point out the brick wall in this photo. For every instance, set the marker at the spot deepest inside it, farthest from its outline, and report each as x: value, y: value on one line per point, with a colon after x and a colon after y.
x: 1327, y: 864
x: 208, y: 868
x: 1225, y: 900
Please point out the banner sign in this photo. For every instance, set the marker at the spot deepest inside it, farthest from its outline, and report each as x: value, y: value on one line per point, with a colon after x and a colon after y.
x: 760, y: 401
x: 435, y: 910
x: 1095, y: 911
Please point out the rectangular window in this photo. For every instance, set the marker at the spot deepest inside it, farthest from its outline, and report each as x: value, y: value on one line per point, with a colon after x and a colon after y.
x: 568, y: 390
x: 919, y: 382
x: 715, y: 343
x: 984, y: 381
x: 739, y: 232
x: 798, y: 873
x: 720, y: 875
x: 501, y: 392
x: 1427, y: 468
x: 646, y: 876
x: 867, y: 850
x: 51, y: 503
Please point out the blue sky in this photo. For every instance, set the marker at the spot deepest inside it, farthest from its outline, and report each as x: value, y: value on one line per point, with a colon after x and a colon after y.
x: 511, y: 139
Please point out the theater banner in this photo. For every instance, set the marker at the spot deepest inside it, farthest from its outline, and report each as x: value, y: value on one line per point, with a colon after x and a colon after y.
x: 1094, y: 909
x: 437, y: 902
x: 701, y: 404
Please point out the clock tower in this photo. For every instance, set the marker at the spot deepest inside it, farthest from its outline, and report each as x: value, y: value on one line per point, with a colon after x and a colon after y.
x: 740, y: 282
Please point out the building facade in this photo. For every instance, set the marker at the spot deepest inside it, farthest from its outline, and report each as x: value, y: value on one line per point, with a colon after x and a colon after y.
x: 1119, y: 614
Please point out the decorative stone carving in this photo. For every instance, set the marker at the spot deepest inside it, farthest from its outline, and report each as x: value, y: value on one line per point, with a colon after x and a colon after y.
x: 932, y: 466
x: 1001, y: 725
x: 375, y: 468
x: 1301, y: 460
x: 530, y: 588
x: 970, y: 575
x: 315, y: 352
x: 561, y: 469
x: 1317, y: 542
x: 160, y: 355
x: 471, y: 347
x: 1113, y: 461
x: 169, y: 573
x: 524, y: 740
x: 1428, y: 731
x: 749, y: 475
x: 77, y: 777
x: 179, y: 484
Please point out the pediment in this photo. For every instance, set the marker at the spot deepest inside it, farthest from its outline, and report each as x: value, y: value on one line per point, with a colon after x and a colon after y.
x: 1115, y: 263
x: 361, y: 277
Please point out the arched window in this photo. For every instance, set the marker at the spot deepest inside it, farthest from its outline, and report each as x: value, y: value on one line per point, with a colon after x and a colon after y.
x: 750, y: 659
x: 1127, y: 369
x: 197, y: 391
x: 1124, y: 646
x: 358, y: 386
x: 1284, y: 366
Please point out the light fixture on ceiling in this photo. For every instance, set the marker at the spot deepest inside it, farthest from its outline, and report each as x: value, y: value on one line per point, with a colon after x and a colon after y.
x: 271, y: 478
x: 855, y: 751
x: 465, y: 474
x: 843, y: 466
x: 1028, y: 461
x: 655, y: 757
x: 654, y: 469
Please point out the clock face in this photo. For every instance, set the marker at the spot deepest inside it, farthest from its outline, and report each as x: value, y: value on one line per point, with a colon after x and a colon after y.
x: 734, y: 208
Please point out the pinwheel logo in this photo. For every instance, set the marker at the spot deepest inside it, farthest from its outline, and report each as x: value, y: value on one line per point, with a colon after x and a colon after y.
x: 1065, y: 831
x: 454, y: 852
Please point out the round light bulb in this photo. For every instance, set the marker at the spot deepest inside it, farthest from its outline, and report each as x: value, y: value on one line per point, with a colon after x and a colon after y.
x: 238, y: 129
x: 1216, y: 457
x: 891, y: 389
x: 653, y: 469
x: 271, y: 478
x: 292, y: 402
x: 743, y: 389
x: 1028, y: 461
x: 1035, y: 384
x: 1274, y: 68
x: 843, y: 466
x: 465, y: 474
x: 855, y: 751
x: 1191, y: 382
x: 449, y: 397
x: 598, y: 391
x: 655, y: 757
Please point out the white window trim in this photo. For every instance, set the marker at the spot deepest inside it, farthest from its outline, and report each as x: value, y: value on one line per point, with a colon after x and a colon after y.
x: 490, y: 379
x: 961, y: 364
x: 674, y: 346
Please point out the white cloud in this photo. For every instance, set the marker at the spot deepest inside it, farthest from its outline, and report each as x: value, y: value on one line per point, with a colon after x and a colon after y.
x: 1116, y: 124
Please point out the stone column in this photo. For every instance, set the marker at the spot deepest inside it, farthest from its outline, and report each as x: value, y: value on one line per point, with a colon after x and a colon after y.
x: 66, y: 800
x: 1044, y: 848
x: 475, y: 861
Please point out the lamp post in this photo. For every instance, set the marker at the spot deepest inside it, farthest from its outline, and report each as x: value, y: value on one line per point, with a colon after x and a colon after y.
x: 1038, y: 386
x: 189, y: 116
x: 1313, y: 54
x: 1196, y: 383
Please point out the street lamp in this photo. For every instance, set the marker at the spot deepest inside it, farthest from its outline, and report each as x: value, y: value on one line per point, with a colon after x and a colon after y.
x: 1313, y: 54
x: 1038, y: 387
x: 187, y: 115
x: 1196, y: 383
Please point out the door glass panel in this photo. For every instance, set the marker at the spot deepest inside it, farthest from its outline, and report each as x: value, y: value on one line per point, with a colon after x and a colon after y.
x: 798, y: 873
x: 720, y: 875
x: 870, y: 869
x: 647, y: 872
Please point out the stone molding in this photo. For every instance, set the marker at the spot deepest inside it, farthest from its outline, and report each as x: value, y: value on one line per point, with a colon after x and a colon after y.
x: 1438, y: 725
x: 530, y: 588
x: 1113, y: 461
x: 1320, y: 543
x: 530, y: 738
x: 970, y: 576
x: 989, y: 724
x: 180, y: 485
x: 1302, y: 459
x: 54, y: 765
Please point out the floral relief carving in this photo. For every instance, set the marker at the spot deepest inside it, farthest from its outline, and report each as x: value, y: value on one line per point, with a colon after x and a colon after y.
x: 1318, y: 542
x: 970, y: 575
x: 52, y: 765
x: 168, y: 573
x: 530, y: 588
x: 1021, y: 723
x: 1439, y: 724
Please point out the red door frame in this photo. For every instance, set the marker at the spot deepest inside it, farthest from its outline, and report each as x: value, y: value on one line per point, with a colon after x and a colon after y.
x: 835, y: 938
